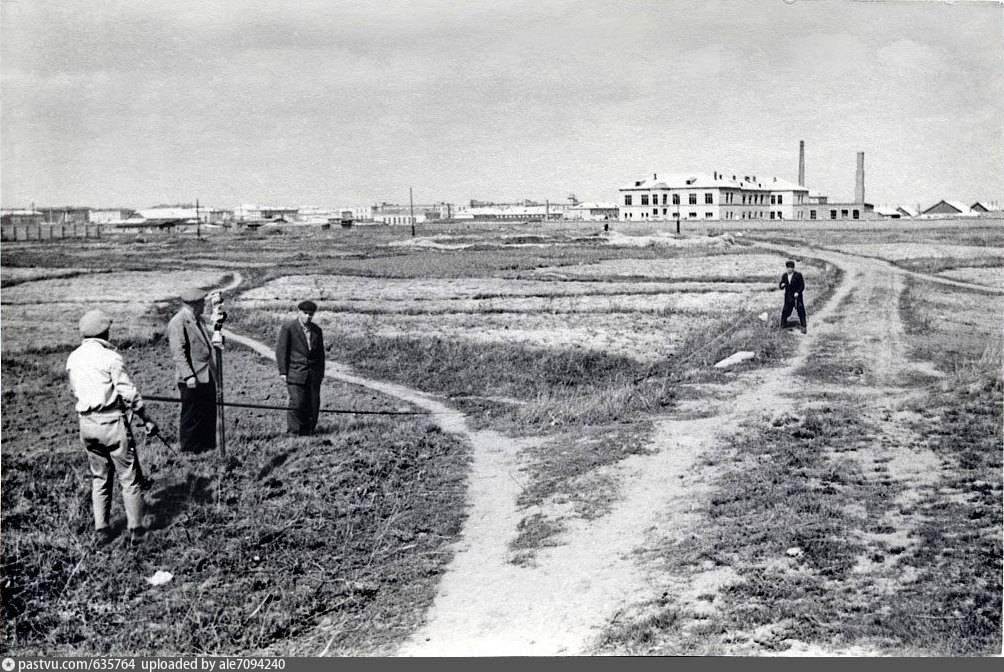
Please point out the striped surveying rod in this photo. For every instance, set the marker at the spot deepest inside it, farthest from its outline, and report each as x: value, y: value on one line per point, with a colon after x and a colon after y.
x: 218, y: 317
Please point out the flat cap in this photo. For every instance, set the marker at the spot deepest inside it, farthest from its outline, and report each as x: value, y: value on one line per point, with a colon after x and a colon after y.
x: 94, y: 323
x: 307, y: 306
x: 193, y: 295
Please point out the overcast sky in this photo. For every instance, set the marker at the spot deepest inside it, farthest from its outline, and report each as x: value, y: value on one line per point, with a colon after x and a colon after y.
x: 329, y: 103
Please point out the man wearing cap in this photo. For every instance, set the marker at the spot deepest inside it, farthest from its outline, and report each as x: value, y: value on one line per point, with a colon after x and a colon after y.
x: 195, y: 370
x: 793, y: 285
x: 299, y: 353
x: 106, y: 397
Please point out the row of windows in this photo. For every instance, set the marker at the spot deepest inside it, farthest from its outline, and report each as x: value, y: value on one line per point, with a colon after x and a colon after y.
x: 748, y: 214
x: 691, y: 199
x: 666, y: 213
x: 777, y: 199
x: 854, y: 214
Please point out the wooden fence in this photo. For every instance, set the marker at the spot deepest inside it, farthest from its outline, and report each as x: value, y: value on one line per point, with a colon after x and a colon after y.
x: 14, y: 232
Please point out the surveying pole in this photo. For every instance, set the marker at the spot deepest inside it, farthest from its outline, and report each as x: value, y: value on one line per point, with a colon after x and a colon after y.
x: 218, y: 317
x: 198, y: 222
x: 411, y: 203
x: 221, y: 426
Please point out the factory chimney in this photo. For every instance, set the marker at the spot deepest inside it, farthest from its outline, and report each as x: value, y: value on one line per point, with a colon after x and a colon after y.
x: 859, y: 180
x: 801, y: 163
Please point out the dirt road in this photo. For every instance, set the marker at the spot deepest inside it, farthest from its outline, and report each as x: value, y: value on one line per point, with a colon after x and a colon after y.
x: 488, y: 606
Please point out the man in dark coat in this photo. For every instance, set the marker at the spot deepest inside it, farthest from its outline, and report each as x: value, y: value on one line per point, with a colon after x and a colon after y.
x: 299, y: 353
x: 793, y: 285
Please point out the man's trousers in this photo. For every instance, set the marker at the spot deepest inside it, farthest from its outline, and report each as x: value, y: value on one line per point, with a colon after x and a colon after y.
x: 304, y: 405
x: 110, y: 451
x: 197, y: 424
x: 789, y: 303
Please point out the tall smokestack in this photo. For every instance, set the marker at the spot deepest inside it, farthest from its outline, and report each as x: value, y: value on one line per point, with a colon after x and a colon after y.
x: 801, y: 162
x: 859, y: 180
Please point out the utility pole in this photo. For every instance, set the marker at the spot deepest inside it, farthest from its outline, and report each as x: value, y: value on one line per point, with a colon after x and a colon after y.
x: 411, y: 203
x: 198, y: 222
x: 678, y: 214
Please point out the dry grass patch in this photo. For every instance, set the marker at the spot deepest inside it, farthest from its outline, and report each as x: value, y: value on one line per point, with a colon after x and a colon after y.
x: 290, y: 545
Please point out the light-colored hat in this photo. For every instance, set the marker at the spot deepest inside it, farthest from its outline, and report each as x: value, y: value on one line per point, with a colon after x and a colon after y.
x: 94, y: 323
x: 193, y: 295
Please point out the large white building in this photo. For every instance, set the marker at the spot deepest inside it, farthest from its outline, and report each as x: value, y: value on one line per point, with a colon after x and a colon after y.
x: 717, y: 196
x: 733, y: 196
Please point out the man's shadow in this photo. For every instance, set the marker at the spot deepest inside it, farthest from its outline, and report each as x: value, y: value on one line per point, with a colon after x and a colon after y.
x: 173, y: 500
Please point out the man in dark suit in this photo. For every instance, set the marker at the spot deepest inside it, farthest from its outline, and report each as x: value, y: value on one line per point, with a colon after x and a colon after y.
x: 195, y: 372
x: 794, y: 286
x: 299, y: 353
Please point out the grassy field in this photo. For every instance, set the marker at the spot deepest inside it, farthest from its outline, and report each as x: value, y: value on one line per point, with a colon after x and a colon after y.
x: 838, y: 528
x: 349, y: 529
x: 574, y: 340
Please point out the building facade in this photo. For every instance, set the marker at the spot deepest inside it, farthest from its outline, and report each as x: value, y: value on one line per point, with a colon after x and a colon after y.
x: 109, y: 216
x: 530, y: 211
x: 592, y: 212
x: 945, y: 208
x: 21, y: 217
x: 717, y: 196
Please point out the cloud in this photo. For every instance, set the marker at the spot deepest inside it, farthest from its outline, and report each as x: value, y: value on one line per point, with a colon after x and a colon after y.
x: 907, y: 56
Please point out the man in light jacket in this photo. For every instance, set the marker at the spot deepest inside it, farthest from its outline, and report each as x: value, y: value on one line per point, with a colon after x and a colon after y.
x: 195, y: 371
x: 299, y: 353
x: 106, y: 398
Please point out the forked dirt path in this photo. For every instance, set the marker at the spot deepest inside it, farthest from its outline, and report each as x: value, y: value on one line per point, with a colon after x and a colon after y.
x: 488, y: 606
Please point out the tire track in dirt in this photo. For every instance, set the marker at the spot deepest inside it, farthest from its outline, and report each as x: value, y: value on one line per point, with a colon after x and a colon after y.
x: 870, y: 318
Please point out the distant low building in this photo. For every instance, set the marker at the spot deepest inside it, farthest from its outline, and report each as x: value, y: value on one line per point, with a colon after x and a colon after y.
x: 217, y: 216
x: 526, y: 210
x: 592, y: 212
x: 945, y: 208
x: 394, y: 214
x: 895, y: 211
x: 888, y: 212
x: 986, y: 207
x: 20, y: 217
x: 65, y: 214
x: 109, y: 216
x: 248, y: 213
x: 313, y: 215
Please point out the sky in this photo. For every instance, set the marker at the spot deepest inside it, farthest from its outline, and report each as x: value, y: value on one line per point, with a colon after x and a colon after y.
x: 139, y: 102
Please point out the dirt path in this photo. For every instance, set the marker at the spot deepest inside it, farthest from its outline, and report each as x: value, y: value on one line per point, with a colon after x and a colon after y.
x: 488, y: 606
x: 868, y: 316
x: 235, y: 282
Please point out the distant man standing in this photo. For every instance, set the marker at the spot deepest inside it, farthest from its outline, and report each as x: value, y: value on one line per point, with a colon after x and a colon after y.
x: 299, y: 353
x: 106, y: 397
x: 195, y: 370
x: 794, y: 286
